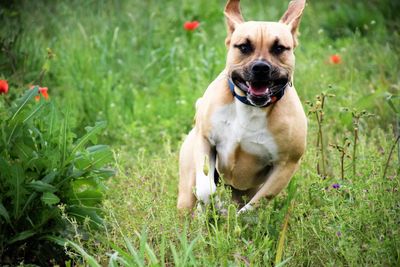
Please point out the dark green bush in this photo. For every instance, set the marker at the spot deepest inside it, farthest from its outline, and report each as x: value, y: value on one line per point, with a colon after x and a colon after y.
x: 46, y: 172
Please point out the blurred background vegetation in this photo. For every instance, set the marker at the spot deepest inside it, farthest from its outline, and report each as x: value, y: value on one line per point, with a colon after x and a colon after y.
x: 132, y: 64
x: 127, y: 55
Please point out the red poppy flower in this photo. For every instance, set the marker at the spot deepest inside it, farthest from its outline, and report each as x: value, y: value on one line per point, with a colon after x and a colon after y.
x: 191, y: 25
x: 335, y: 59
x: 42, y: 91
x: 3, y: 87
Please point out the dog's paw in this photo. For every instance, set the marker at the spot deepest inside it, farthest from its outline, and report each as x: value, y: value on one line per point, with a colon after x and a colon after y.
x: 246, y: 208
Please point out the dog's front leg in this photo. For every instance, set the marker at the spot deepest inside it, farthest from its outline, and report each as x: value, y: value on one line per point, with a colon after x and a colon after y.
x: 276, y: 182
x: 205, y: 158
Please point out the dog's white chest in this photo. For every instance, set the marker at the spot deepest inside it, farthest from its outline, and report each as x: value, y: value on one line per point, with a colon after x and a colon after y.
x: 236, y: 125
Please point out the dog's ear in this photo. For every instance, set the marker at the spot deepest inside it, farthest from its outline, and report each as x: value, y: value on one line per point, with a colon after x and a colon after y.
x: 292, y: 17
x: 233, y: 17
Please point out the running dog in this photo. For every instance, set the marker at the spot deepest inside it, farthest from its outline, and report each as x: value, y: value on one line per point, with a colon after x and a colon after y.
x: 250, y: 127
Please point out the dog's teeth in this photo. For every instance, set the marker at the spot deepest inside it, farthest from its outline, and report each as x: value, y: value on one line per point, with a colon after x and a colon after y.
x: 248, y: 84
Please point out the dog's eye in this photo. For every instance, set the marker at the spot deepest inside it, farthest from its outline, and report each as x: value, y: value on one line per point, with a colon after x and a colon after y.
x: 278, y: 49
x: 245, y: 48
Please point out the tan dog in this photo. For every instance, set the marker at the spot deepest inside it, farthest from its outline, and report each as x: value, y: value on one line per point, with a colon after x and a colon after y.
x: 250, y: 126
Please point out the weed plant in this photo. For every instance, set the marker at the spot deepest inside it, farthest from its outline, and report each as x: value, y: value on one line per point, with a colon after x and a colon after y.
x: 45, y: 170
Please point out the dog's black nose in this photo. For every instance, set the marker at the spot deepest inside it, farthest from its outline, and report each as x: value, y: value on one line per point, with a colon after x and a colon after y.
x: 260, y: 67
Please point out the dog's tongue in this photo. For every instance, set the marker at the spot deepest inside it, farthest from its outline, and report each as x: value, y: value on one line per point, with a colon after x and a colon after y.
x: 258, y: 89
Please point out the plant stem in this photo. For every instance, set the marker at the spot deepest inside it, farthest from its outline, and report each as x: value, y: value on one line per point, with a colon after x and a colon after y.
x: 390, y: 155
x: 398, y: 134
x: 320, y: 145
x: 342, y: 165
x: 355, y: 150
x: 322, y: 149
x: 321, y: 118
x: 323, y: 156
x: 282, y: 235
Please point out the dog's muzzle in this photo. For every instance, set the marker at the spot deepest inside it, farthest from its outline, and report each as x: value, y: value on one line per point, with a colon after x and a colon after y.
x: 262, y: 83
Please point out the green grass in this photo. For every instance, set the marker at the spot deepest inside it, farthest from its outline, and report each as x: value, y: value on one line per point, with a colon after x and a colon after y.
x: 132, y: 64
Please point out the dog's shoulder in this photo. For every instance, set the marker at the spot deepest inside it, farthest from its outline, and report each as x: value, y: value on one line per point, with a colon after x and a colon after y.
x: 216, y: 95
x: 289, y: 125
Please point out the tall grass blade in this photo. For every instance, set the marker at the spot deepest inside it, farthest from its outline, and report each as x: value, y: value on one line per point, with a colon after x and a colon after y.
x: 19, y: 118
x: 52, y: 120
x: 189, y: 250
x: 283, y: 262
x: 151, y: 254
x: 4, y: 213
x: 133, y: 252
x: 63, y: 138
x: 113, y: 260
x: 33, y: 112
x: 282, y: 235
x: 17, y: 176
x: 88, y: 258
x: 21, y: 236
x: 57, y: 240
x: 124, y: 256
x: 24, y: 101
x: 390, y: 156
x: 175, y: 254
x: 92, y: 131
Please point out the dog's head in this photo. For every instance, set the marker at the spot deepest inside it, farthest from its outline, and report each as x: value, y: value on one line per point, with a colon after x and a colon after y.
x: 260, y: 57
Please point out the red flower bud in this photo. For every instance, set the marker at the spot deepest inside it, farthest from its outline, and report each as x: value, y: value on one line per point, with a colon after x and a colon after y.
x: 3, y: 87
x: 335, y: 59
x: 42, y: 91
x: 191, y: 25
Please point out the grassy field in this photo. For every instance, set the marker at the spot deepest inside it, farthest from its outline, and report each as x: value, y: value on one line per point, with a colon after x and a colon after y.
x: 132, y: 64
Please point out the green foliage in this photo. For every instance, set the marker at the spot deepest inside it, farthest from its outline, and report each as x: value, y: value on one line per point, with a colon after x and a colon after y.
x: 43, y: 165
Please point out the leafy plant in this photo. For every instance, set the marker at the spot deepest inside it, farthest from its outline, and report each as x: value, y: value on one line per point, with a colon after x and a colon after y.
x: 43, y: 165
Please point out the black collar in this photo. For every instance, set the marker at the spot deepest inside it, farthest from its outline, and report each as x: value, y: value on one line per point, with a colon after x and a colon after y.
x: 274, y: 97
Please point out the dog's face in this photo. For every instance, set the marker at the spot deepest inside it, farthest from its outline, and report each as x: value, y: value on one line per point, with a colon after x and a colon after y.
x: 260, y: 57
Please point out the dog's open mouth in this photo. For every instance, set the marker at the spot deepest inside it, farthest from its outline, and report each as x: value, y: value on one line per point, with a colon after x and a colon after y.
x: 259, y: 89
x: 260, y: 92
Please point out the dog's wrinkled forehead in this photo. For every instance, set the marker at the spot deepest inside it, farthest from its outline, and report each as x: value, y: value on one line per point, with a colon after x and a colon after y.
x: 288, y: 23
x: 262, y: 35
x: 257, y: 40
